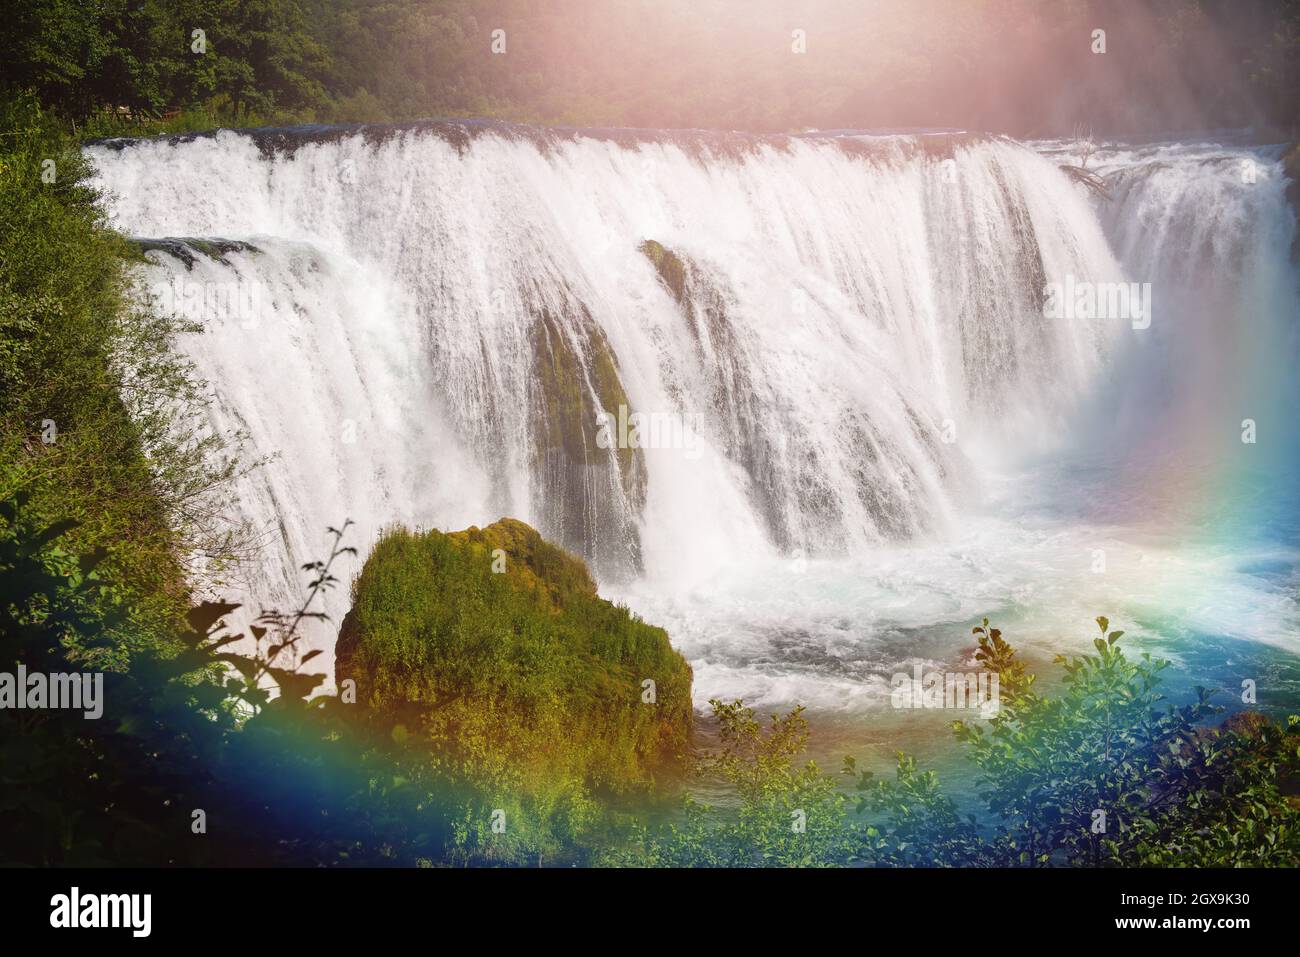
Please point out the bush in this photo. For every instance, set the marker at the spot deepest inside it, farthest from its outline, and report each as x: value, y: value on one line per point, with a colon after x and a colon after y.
x: 100, y: 419
x: 283, y: 775
x: 1173, y: 791
x: 288, y: 776
x: 491, y: 649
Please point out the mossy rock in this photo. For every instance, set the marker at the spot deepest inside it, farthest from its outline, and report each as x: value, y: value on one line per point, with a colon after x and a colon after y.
x: 536, y: 564
x: 491, y: 648
x: 669, y: 266
x: 187, y: 248
x: 588, y: 496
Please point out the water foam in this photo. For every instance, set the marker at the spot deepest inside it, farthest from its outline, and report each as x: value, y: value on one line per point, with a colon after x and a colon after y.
x: 856, y: 322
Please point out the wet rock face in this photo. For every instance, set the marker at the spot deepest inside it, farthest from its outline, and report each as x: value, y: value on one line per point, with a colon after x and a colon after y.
x: 789, y: 485
x: 588, y: 497
x: 188, y: 248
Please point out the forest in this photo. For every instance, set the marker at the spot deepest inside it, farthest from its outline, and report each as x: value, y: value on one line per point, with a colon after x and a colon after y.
x: 1022, y: 67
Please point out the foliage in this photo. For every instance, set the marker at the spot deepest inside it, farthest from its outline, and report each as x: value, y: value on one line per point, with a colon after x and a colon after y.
x: 281, y: 773
x: 1170, y: 790
x: 286, y: 775
x: 1174, y: 792
x: 491, y: 649
x: 1169, y: 64
x: 787, y: 815
x: 232, y: 725
x: 101, y: 421
x: 139, y: 56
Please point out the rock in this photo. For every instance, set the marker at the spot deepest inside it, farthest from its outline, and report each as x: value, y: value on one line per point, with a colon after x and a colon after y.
x: 1291, y: 164
x: 493, y: 649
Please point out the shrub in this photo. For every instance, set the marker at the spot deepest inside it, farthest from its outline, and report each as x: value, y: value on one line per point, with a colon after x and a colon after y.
x: 100, y: 419
x: 1174, y: 792
x: 520, y: 679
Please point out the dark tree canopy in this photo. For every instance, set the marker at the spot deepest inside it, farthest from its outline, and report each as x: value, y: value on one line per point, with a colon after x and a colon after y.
x: 1020, y: 66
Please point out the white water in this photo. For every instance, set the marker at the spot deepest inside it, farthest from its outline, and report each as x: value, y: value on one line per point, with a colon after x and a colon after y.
x: 892, y: 434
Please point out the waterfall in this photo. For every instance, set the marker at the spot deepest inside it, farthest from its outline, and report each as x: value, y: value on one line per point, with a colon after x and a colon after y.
x: 827, y: 342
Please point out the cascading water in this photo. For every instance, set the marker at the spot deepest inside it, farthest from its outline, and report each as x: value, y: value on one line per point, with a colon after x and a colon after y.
x: 843, y: 339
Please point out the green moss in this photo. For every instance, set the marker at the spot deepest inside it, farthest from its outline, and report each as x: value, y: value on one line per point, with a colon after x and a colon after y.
x: 572, y: 381
x: 611, y: 395
x: 184, y: 248
x: 566, y: 392
x: 520, y: 677
x: 535, y: 564
x: 565, y: 422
